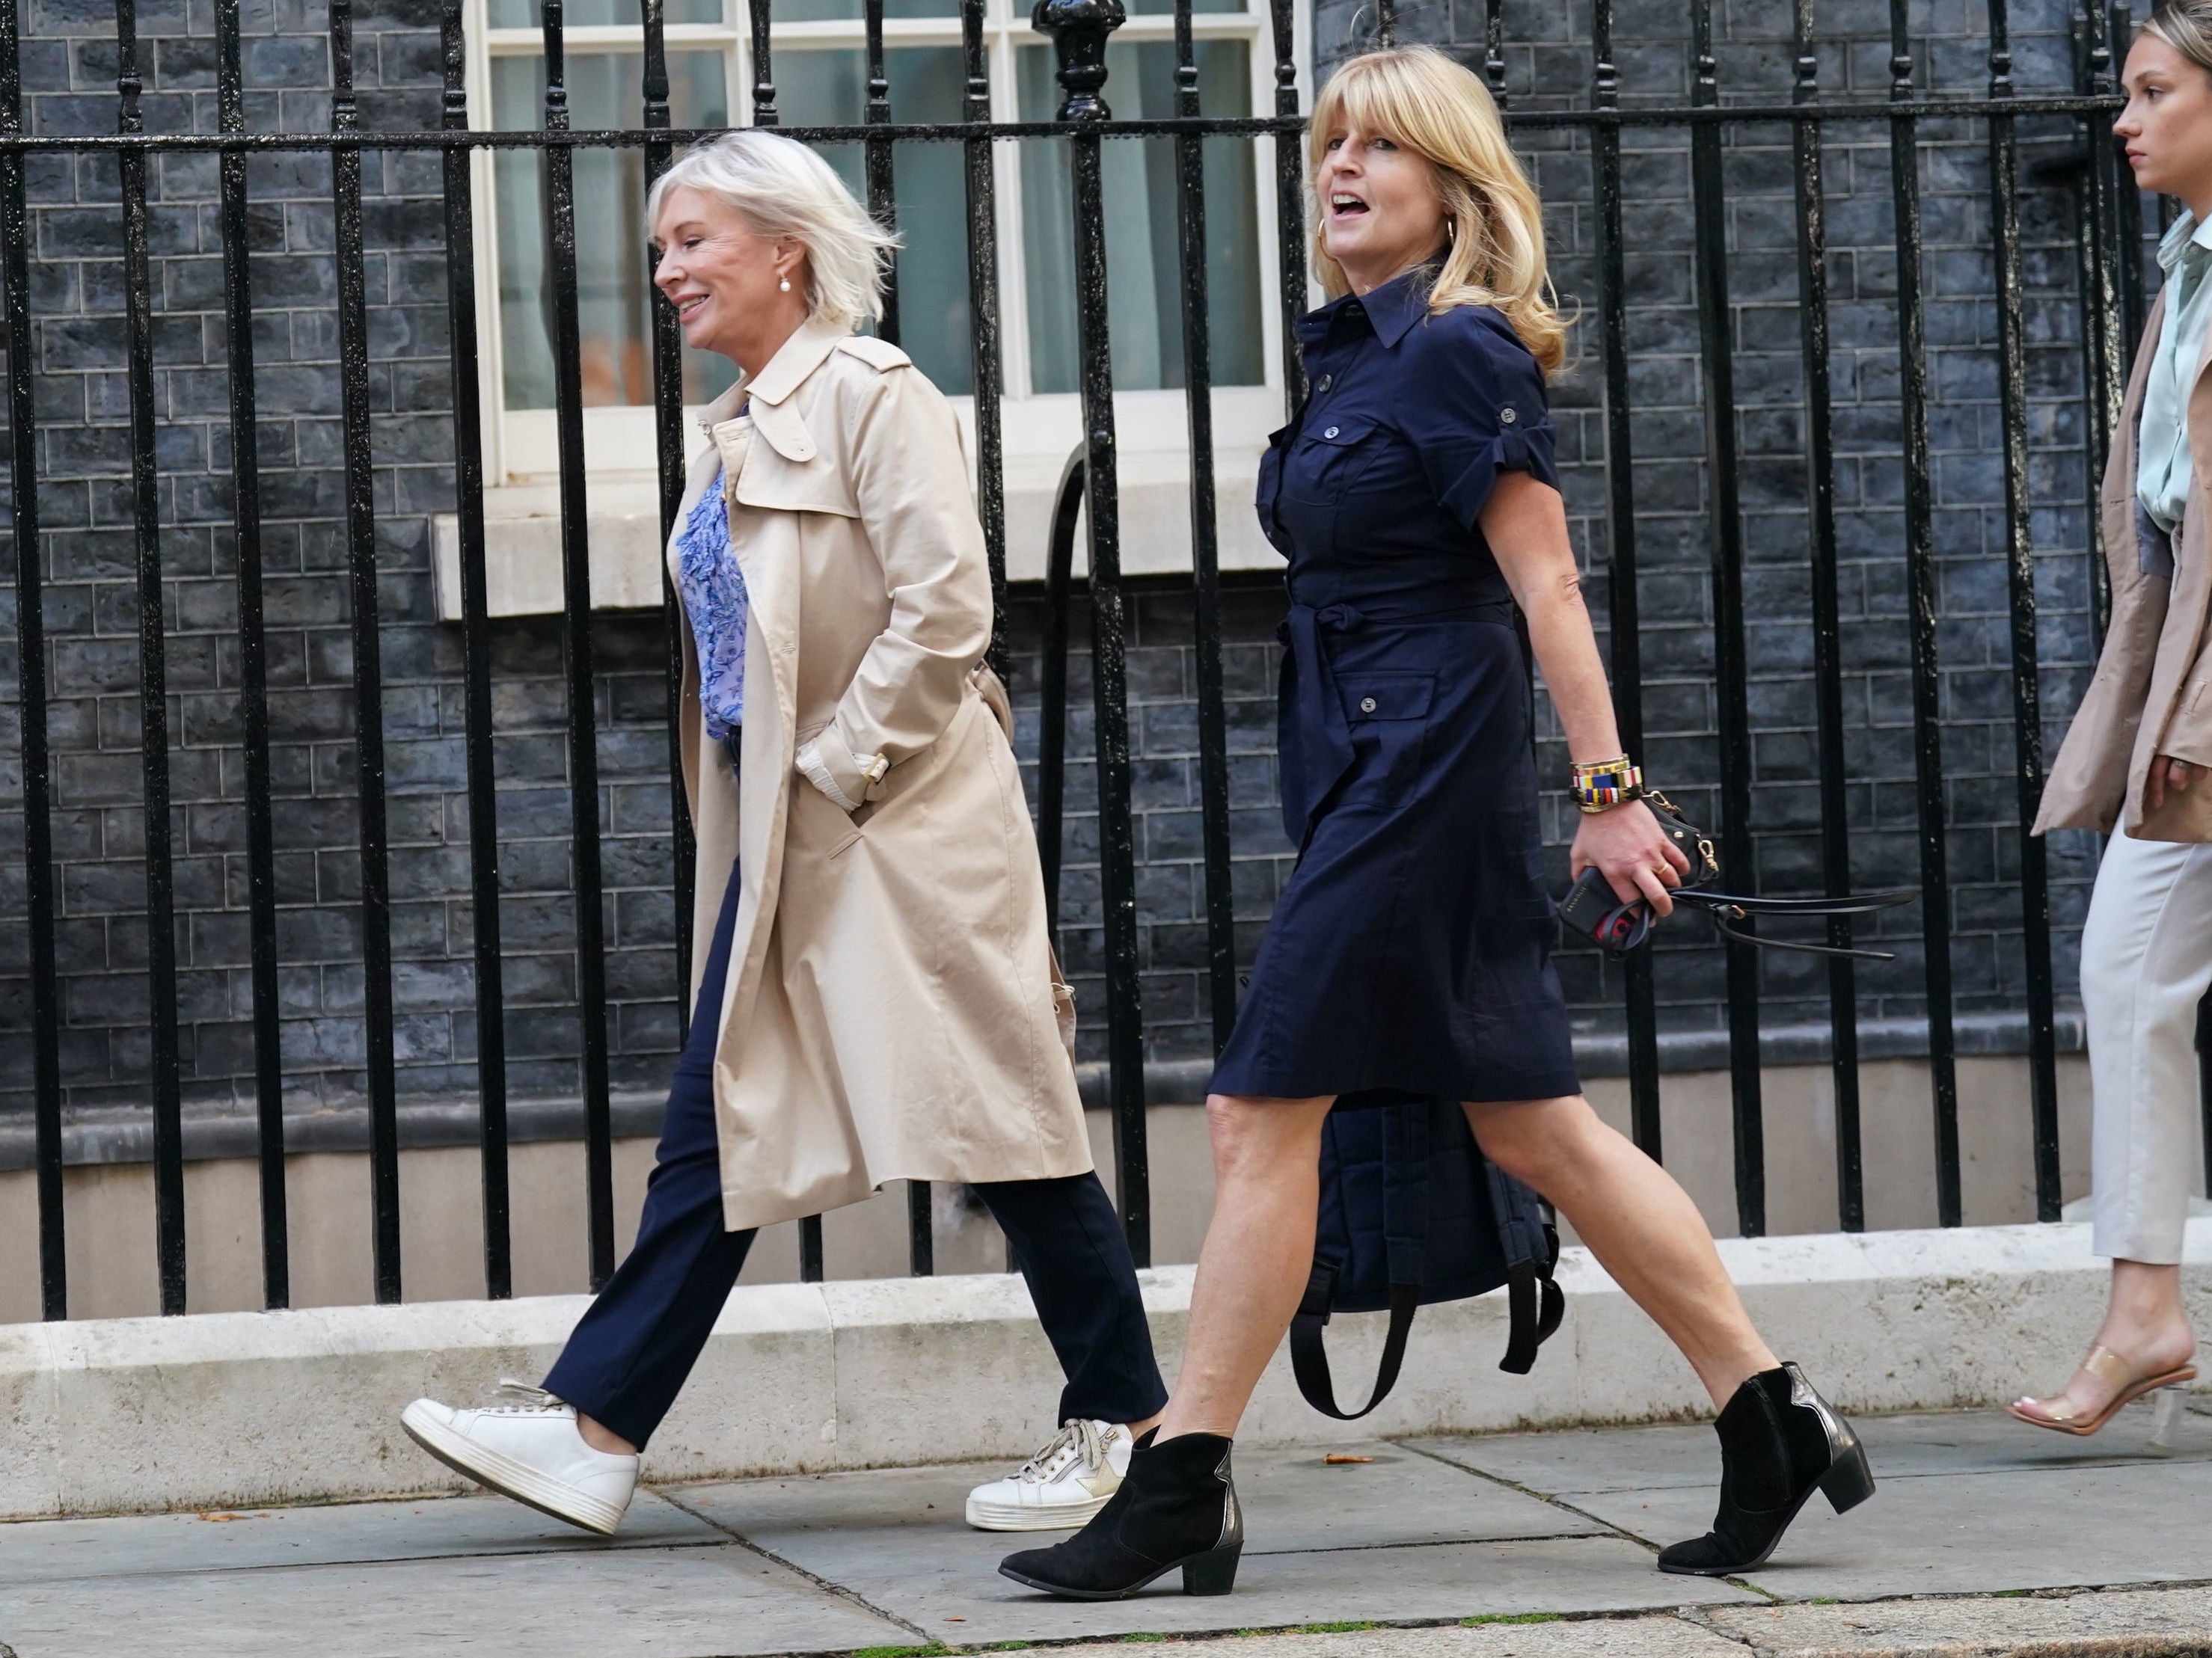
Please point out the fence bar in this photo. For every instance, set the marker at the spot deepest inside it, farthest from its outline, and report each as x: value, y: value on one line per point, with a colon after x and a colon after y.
x: 2127, y: 201
x: 368, y: 665
x: 982, y: 201
x: 1205, y: 554
x: 252, y: 671
x: 1385, y: 23
x: 810, y: 1249
x: 31, y: 689
x: 576, y: 656
x: 2019, y: 572
x: 883, y: 207
x: 2204, y: 1084
x: 1290, y: 202
x: 1051, y: 689
x: 2101, y: 382
x: 1717, y: 365
x: 1078, y: 29
x: 883, y: 194
x: 668, y: 449
x: 1920, y: 585
x: 1828, y: 628
x: 1493, y: 50
x: 756, y: 12
x: 475, y: 666
x: 1624, y: 628
x: 152, y: 687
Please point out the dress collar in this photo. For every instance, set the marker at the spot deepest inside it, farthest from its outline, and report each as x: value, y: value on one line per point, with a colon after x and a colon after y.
x: 1391, y: 310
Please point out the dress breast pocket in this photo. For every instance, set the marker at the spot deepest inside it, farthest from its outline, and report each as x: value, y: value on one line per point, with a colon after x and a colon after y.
x: 1327, y: 458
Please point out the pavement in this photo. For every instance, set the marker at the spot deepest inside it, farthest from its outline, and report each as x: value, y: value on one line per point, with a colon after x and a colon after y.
x: 1985, y: 1537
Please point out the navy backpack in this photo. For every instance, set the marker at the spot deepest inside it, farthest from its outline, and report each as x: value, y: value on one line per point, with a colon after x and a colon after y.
x: 1412, y: 1212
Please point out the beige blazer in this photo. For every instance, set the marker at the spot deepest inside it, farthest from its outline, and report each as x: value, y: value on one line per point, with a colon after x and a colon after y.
x: 891, y: 1010
x: 2148, y: 696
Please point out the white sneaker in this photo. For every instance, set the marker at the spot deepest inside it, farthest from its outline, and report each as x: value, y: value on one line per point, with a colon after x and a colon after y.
x: 1062, y: 1486
x: 528, y: 1447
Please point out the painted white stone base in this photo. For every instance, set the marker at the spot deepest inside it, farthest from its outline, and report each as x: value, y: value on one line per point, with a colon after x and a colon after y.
x: 232, y: 1410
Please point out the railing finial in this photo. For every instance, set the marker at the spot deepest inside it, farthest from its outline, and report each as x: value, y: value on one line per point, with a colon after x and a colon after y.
x: 1078, y: 29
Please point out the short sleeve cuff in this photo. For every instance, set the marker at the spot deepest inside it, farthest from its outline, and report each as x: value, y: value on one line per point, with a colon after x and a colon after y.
x: 1528, y: 449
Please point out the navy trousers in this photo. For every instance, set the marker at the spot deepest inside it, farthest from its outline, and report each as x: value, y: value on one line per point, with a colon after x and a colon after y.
x: 629, y: 1354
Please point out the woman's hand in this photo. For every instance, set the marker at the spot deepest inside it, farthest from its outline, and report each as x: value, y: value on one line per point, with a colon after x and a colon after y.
x: 2166, y: 772
x: 1638, y: 860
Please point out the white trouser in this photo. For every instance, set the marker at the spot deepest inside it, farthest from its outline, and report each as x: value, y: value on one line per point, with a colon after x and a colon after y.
x: 2146, y: 960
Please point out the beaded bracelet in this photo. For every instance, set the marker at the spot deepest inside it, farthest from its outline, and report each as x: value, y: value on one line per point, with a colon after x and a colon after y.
x: 1605, y: 784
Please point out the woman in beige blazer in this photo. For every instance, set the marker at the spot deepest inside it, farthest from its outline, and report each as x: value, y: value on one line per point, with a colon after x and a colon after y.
x: 2131, y: 765
x: 880, y: 1000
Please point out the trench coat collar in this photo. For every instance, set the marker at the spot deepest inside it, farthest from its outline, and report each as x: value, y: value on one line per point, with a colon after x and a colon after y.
x: 777, y: 419
x: 766, y: 397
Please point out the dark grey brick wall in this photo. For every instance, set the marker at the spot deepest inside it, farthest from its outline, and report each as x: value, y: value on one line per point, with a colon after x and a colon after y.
x: 91, y: 609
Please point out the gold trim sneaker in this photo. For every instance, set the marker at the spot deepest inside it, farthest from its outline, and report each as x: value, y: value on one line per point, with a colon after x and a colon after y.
x: 1062, y: 1486
x: 527, y: 1446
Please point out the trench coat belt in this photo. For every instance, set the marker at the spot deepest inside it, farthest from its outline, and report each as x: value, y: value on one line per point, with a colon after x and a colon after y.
x: 1314, y: 736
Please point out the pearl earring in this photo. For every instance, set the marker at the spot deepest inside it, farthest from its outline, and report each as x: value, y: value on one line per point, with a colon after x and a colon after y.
x: 784, y: 284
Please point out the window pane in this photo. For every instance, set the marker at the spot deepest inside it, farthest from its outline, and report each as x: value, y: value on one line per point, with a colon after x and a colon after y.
x: 614, y: 284
x: 1142, y: 261
x: 822, y: 11
x: 828, y: 88
x: 525, y: 14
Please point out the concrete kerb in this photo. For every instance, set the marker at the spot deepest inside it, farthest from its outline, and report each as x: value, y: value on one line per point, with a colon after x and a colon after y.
x: 253, y: 1409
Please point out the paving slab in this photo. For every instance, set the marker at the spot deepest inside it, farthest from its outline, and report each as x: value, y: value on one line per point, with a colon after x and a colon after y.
x: 353, y: 1533
x: 1940, y: 1443
x: 1966, y: 1533
x: 945, y: 1579
x: 2137, y: 1623
x: 1295, y: 1500
x: 671, y: 1603
x: 1664, y: 1636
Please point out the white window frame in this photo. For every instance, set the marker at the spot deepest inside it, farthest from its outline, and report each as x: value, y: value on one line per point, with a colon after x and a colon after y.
x: 1040, y: 430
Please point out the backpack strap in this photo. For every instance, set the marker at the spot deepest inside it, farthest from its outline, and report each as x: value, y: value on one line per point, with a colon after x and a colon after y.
x: 1535, y: 1303
x: 1310, y: 1357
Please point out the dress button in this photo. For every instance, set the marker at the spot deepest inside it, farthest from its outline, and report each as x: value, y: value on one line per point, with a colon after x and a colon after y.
x: 1366, y: 705
x: 1507, y: 415
x: 1330, y: 432
x: 1325, y: 382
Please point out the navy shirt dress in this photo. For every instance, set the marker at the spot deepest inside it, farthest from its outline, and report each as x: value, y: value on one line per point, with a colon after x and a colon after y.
x: 1410, y: 951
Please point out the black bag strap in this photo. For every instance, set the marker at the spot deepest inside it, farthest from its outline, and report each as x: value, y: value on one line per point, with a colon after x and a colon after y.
x: 1310, y: 1355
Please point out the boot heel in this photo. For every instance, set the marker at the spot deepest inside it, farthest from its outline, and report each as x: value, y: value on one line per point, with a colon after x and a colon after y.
x: 1848, y: 1482
x: 1213, y: 1572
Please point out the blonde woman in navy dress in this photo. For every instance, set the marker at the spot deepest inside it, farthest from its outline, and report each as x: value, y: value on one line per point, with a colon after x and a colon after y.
x: 1416, y: 497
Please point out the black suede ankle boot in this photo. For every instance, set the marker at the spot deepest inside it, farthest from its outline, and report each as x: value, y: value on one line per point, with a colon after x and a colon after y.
x: 1780, y: 1441
x: 1177, y: 1507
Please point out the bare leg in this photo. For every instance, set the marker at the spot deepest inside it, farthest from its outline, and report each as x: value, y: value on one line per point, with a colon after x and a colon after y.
x: 1257, y: 1255
x: 2144, y: 1323
x: 1641, y: 1226
x: 603, y: 1439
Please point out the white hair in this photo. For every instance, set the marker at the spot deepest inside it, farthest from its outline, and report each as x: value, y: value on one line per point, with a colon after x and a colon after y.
x: 781, y: 188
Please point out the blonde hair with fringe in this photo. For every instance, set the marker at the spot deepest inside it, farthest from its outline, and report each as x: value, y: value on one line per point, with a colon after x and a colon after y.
x: 1437, y: 109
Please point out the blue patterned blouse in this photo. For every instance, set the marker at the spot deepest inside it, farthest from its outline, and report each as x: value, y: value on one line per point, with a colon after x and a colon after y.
x: 713, y: 592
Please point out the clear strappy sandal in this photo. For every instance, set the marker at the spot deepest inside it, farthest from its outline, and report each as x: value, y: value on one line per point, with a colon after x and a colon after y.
x: 2116, y: 1373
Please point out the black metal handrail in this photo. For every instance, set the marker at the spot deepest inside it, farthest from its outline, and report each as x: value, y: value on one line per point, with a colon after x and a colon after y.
x: 2112, y: 302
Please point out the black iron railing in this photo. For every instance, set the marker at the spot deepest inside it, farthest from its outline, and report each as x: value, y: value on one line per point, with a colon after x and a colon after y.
x: 2110, y: 284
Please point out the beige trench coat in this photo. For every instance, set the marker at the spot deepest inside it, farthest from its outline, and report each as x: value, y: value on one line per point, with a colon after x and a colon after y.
x: 2149, y: 695
x: 891, y: 1010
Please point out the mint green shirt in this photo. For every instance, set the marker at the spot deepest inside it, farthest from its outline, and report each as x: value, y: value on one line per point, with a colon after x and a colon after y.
x: 2162, y: 469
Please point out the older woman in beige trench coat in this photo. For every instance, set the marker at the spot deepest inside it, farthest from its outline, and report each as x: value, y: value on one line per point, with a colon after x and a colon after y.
x: 878, y: 1001
x: 2131, y: 764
